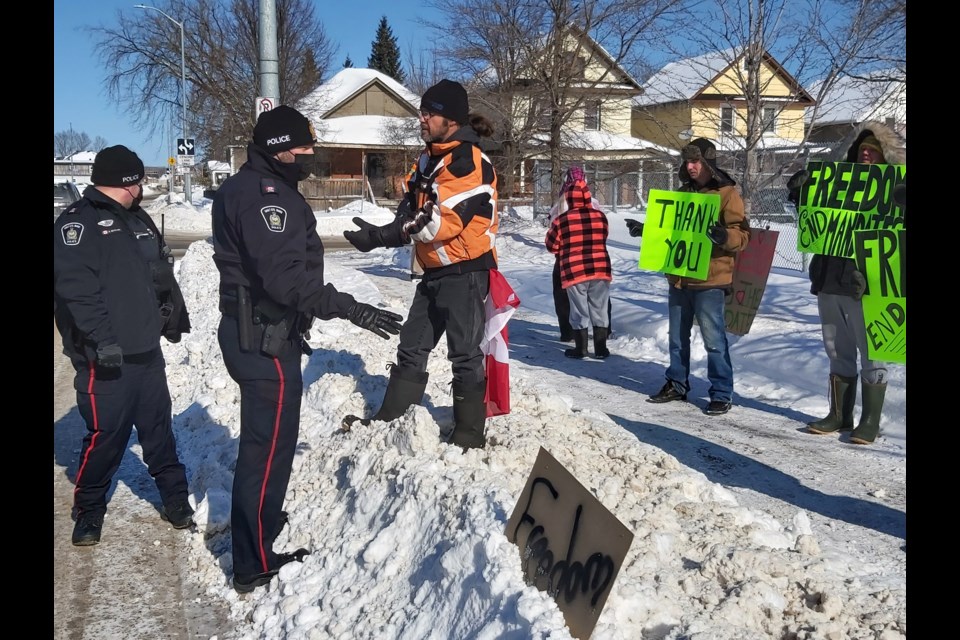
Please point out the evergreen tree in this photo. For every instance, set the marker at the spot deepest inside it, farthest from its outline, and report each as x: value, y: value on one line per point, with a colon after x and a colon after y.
x: 348, y: 63
x: 385, y: 54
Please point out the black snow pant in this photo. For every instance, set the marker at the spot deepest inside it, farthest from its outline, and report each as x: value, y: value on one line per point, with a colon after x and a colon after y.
x: 451, y: 304
x: 112, y: 402
x: 270, y: 393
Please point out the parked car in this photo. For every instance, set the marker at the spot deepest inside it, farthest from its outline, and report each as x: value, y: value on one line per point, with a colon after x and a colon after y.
x: 64, y: 194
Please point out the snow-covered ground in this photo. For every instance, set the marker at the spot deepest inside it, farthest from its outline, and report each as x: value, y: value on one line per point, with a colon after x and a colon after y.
x: 744, y: 526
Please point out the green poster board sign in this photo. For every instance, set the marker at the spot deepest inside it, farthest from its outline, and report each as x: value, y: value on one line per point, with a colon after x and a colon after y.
x: 881, y: 257
x: 843, y: 197
x: 675, y: 232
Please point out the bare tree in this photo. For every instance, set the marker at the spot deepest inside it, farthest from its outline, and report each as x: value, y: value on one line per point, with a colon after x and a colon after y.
x: 141, y: 52
x: 816, y: 43
x: 525, y: 61
x: 68, y: 142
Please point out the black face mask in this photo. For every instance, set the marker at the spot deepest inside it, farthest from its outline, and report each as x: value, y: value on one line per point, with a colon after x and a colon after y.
x: 136, y: 201
x: 304, y: 162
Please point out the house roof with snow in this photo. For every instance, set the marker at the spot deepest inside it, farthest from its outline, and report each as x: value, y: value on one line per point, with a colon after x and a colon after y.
x: 876, y: 96
x: 693, y: 78
x: 347, y: 84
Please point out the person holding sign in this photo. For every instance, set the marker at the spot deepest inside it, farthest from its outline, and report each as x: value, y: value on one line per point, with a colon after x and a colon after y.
x: 578, y: 237
x: 691, y: 298
x: 839, y: 288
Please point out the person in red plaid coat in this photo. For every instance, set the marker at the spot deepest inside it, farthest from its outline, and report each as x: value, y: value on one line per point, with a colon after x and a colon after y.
x: 578, y: 236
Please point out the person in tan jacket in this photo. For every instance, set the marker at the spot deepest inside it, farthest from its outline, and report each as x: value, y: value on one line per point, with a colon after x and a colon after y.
x: 703, y: 300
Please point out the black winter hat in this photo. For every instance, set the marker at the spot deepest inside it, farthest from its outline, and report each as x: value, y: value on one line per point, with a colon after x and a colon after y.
x: 448, y: 99
x: 283, y: 128
x: 116, y: 167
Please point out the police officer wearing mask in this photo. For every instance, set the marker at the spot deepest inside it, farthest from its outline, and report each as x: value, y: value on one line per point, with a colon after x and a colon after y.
x: 270, y: 259
x: 114, y: 295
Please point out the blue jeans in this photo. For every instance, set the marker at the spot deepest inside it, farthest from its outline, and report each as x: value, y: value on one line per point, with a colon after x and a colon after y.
x: 707, y: 306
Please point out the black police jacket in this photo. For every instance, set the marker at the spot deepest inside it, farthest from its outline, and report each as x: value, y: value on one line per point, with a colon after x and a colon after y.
x: 265, y: 238
x: 105, y: 259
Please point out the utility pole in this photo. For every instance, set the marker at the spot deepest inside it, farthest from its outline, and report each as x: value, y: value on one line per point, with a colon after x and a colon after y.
x: 269, y: 56
x: 187, y: 189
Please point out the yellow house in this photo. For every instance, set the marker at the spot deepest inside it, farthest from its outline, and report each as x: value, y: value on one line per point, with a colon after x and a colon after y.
x: 593, y: 95
x: 705, y: 96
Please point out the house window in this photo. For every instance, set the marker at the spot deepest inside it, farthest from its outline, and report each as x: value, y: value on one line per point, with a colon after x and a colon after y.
x: 574, y: 64
x: 769, y: 120
x: 591, y: 115
x: 542, y: 116
x: 726, y: 119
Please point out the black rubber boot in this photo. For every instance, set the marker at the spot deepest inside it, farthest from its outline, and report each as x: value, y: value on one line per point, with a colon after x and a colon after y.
x: 405, y: 388
x: 600, y: 335
x: 469, y: 415
x: 869, y: 427
x: 843, y: 397
x: 580, y: 337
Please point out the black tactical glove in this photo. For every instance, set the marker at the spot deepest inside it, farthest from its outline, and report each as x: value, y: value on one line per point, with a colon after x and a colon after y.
x: 420, y: 220
x: 795, y: 184
x: 635, y: 227
x: 717, y: 233
x: 370, y: 236
x: 859, y: 284
x: 109, y: 356
x: 379, y: 321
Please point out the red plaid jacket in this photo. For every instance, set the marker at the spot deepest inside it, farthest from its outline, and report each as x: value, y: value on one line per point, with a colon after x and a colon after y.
x: 579, y: 237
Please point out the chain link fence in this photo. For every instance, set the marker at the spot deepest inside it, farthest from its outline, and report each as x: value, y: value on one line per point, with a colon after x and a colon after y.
x: 628, y: 192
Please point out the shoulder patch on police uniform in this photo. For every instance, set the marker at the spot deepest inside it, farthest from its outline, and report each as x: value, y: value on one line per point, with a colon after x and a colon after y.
x: 267, y: 185
x: 71, y: 233
x: 275, y: 217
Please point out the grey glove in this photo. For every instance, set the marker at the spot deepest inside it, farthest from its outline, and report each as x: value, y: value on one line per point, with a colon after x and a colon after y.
x: 420, y: 219
x: 635, y: 227
x: 859, y: 284
x: 109, y: 356
x: 379, y: 321
x: 717, y: 233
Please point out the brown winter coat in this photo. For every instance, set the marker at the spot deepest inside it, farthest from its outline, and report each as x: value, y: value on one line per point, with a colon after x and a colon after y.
x: 733, y: 216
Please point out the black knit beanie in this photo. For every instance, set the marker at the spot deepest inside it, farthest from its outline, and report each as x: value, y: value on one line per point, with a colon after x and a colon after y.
x: 116, y: 167
x: 448, y: 99
x: 283, y: 128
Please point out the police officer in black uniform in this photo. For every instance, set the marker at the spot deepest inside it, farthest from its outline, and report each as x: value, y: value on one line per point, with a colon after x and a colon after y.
x: 114, y: 295
x: 270, y: 259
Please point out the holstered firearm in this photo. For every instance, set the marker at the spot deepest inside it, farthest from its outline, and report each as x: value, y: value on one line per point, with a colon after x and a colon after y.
x: 278, y: 325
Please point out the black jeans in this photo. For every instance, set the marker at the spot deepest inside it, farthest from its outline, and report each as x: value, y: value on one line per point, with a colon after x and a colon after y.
x: 451, y: 304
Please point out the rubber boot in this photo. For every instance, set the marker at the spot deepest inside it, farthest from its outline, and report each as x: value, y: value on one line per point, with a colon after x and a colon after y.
x: 843, y: 397
x: 580, y: 337
x: 600, y: 335
x: 869, y: 427
x: 469, y: 415
x: 405, y: 388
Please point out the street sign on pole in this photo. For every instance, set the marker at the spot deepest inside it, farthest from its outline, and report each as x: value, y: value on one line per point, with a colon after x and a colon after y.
x: 264, y: 103
x: 185, y: 147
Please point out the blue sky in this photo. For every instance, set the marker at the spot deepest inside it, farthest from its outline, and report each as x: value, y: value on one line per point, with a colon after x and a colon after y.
x: 79, y: 97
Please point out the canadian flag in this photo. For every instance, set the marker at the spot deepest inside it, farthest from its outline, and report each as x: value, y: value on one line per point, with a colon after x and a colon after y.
x: 500, y: 304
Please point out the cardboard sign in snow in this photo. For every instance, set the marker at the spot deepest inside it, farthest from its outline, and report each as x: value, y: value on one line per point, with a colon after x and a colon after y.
x: 570, y: 545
